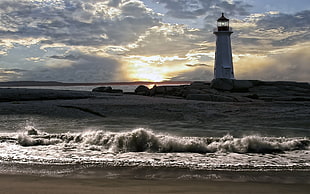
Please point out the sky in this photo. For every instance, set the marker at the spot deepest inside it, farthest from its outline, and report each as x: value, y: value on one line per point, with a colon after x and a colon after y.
x: 151, y: 40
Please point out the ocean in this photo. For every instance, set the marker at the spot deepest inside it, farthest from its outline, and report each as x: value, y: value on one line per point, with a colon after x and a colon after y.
x: 36, y: 144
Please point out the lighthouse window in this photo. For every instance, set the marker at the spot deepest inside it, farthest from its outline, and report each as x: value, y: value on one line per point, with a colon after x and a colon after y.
x: 222, y: 23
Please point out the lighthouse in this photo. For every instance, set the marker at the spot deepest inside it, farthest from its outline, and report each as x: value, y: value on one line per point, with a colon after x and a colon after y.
x: 223, y: 65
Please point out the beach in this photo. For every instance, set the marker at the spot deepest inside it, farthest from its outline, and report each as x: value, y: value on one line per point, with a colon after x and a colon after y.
x: 32, y: 184
x: 56, y: 141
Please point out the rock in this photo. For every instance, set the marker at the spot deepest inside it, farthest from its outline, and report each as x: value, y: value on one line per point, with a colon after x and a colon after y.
x: 203, y: 97
x: 107, y: 90
x: 199, y: 84
x: 287, y: 83
x: 118, y: 91
x: 193, y: 91
x: 142, y: 90
x: 153, y: 91
x: 174, y: 91
x: 252, y: 96
x: 210, y: 97
x: 242, y: 85
x: 232, y: 85
x: 32, y: 131
x: 160, y: 90
x: 222, y: 84
x: 102, y: 89
x: 292, y: 98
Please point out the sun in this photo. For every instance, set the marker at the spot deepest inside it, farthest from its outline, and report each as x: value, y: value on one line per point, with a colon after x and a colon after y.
x: 153, y: 68
x: 141, y: 71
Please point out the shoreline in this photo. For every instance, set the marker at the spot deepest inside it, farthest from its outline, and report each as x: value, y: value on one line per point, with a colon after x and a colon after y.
x: 104, y: 171
x: 111, y: 111
x: 54, y: 83
x: 12, y: 184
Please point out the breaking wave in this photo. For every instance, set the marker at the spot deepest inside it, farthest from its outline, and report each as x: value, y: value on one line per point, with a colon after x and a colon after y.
x: 143, y: 140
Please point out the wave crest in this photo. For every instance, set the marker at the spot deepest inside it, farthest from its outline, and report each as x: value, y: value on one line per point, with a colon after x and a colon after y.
x: 143, y: 140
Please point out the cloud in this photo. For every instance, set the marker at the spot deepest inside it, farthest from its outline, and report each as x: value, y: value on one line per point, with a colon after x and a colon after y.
x: 80, y: 68
x: 193, y: 9
x: 169, y: 39
x: 71, y: 57
x: 290, y: 65
x: 88, y: 22
x: 195, y: 74
x: 8, y: 74
x: 292, y: 28
x: 198, y: 65
x: 261, y: 33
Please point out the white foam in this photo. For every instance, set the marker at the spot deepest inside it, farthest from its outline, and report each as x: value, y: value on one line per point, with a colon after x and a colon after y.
x: 143, y: 140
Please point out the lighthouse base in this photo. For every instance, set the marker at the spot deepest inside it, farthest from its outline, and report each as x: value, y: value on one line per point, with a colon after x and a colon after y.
x: 231, y: 85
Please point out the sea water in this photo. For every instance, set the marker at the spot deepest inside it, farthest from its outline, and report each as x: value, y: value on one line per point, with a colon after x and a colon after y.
x: 61, y: 147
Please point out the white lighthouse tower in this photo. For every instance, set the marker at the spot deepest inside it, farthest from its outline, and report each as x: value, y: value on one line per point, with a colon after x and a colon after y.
x: 223, y: 66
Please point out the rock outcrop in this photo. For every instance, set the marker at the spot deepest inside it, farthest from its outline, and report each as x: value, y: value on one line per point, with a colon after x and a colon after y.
x: 142, y: 90
x: 25, y: 94
x: 107, y: 89
x: 226, y: 90
x: 233, y: 85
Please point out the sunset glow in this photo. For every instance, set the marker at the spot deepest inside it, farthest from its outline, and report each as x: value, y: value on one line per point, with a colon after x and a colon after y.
x: 140, y: 68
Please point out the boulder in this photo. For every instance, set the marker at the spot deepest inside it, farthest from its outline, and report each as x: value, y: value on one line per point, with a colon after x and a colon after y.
x: 116, y: 91
x: 174, y: 90
x: 102, y: 89
x: 142, y: 90
x: 160, y: 90
x: 200, y: 84
x: 107, y: 90
x: 222, y: 84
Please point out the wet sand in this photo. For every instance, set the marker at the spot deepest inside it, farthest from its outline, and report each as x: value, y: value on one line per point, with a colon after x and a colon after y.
x: 12, y: 184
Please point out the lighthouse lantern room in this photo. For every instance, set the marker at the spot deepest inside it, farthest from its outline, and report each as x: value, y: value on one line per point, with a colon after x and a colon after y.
x: 223, y: 66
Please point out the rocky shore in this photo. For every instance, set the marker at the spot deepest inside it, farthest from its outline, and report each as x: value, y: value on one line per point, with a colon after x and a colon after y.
x: 226, y: 90
x: 232, y: 105
x: 218, y: 90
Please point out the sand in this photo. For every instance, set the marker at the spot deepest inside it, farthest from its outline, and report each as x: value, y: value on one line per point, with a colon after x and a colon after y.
x: 12, y: 184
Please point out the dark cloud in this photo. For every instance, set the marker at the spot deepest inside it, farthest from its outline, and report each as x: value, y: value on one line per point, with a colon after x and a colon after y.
x: 15, y: 70
x: 192, y: 9
x: 70, y: 57
x: 84, y: 68
x: 288, y: 23
x: 272, y: 31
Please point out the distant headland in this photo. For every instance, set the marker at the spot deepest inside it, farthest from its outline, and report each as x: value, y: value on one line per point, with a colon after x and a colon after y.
x: 55, y: 83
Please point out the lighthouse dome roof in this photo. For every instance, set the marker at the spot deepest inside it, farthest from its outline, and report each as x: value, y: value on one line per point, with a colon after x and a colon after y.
x: 222, y: 18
